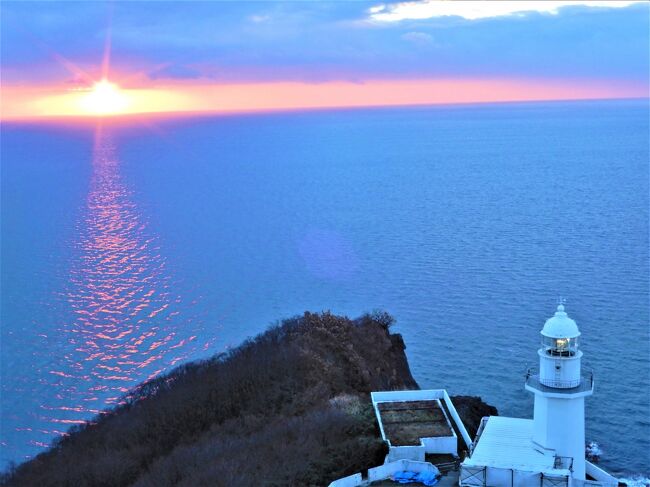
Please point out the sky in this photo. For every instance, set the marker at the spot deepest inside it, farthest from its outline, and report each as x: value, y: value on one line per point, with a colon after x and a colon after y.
x: 232, y: 56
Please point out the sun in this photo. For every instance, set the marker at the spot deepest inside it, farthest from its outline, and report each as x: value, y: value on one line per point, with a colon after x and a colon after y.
x: 105, y: 98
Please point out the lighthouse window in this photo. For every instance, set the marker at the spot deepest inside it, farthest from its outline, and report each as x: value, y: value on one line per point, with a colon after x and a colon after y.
x: 560, y: 346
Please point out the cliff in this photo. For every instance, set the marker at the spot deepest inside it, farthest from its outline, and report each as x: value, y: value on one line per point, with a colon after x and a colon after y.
x: 288, y: 407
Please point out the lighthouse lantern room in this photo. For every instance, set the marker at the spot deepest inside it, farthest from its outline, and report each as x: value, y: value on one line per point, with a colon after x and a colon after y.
x: 559, y: 356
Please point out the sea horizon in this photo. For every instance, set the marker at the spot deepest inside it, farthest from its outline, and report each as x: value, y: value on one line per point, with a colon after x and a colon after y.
x: 181, y: 115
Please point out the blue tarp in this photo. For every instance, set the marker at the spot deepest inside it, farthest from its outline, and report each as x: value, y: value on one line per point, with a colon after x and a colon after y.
x: 425, y: 478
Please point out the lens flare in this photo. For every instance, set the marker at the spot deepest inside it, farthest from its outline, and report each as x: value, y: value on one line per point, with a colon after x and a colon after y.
x: 106, y: 98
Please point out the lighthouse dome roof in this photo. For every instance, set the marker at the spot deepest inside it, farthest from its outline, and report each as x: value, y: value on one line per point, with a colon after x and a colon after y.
x: 560, y: 325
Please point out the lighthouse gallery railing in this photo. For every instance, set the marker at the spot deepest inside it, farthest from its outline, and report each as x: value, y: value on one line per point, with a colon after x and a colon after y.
x: 586, y: 382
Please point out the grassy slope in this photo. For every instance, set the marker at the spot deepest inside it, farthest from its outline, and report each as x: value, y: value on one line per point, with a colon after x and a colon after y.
x: 289, y: 407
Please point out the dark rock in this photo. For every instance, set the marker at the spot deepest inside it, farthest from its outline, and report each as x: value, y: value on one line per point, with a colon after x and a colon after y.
x: 471, y: 410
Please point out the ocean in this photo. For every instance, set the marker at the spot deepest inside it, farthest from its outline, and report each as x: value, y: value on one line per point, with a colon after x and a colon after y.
x: 130, y: 246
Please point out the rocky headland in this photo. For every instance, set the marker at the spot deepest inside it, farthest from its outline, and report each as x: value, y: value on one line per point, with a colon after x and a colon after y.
x: 288, y: 407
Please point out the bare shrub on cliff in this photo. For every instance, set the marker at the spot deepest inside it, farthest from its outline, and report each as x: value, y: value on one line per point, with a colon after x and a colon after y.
x: 260, y: 412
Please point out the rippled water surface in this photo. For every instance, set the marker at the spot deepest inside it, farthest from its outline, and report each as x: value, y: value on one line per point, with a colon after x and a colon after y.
x: 131, y: 247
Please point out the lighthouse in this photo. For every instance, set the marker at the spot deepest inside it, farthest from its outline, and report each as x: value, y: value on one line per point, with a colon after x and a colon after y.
x: 560, y: 387
x: 548, y: 450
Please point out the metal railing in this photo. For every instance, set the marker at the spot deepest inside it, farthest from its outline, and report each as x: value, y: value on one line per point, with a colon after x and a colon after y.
x: 479, y: 432
x: 554, y: 481
x: 472, y: 476
x: 584, y: 383
x: 591, y: 483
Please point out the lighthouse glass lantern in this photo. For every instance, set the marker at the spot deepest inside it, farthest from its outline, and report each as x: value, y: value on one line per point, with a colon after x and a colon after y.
x: 560, y: 346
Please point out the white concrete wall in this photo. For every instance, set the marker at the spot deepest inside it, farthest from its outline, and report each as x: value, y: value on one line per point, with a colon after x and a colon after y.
x: 456, y: 418
x: 540, y: 425
x: 420, y: 395
x: 526, y: 479
x: 601, y: 476
x: 499, y: 476
x: 415, y: 453
x: 448, y: 444
x: 568, y: 372
x: 591, y: 483
x: 441, y: 444
x: 560, y: 425
x: 378, y: 416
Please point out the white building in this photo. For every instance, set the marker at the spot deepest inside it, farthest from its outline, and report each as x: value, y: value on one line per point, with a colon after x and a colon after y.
x: 548, y: 450
x: 414, y: 424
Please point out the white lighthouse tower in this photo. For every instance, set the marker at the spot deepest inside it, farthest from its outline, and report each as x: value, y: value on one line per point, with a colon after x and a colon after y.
x: 560, y: 389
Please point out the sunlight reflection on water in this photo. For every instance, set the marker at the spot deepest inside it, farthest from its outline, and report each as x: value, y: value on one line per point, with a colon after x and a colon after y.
x: 126, y: 326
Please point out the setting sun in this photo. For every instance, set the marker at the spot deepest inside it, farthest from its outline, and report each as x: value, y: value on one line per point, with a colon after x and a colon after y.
x: 106, y: 98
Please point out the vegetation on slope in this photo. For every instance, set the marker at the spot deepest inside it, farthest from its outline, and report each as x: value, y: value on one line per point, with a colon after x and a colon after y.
x: 289, y: 407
